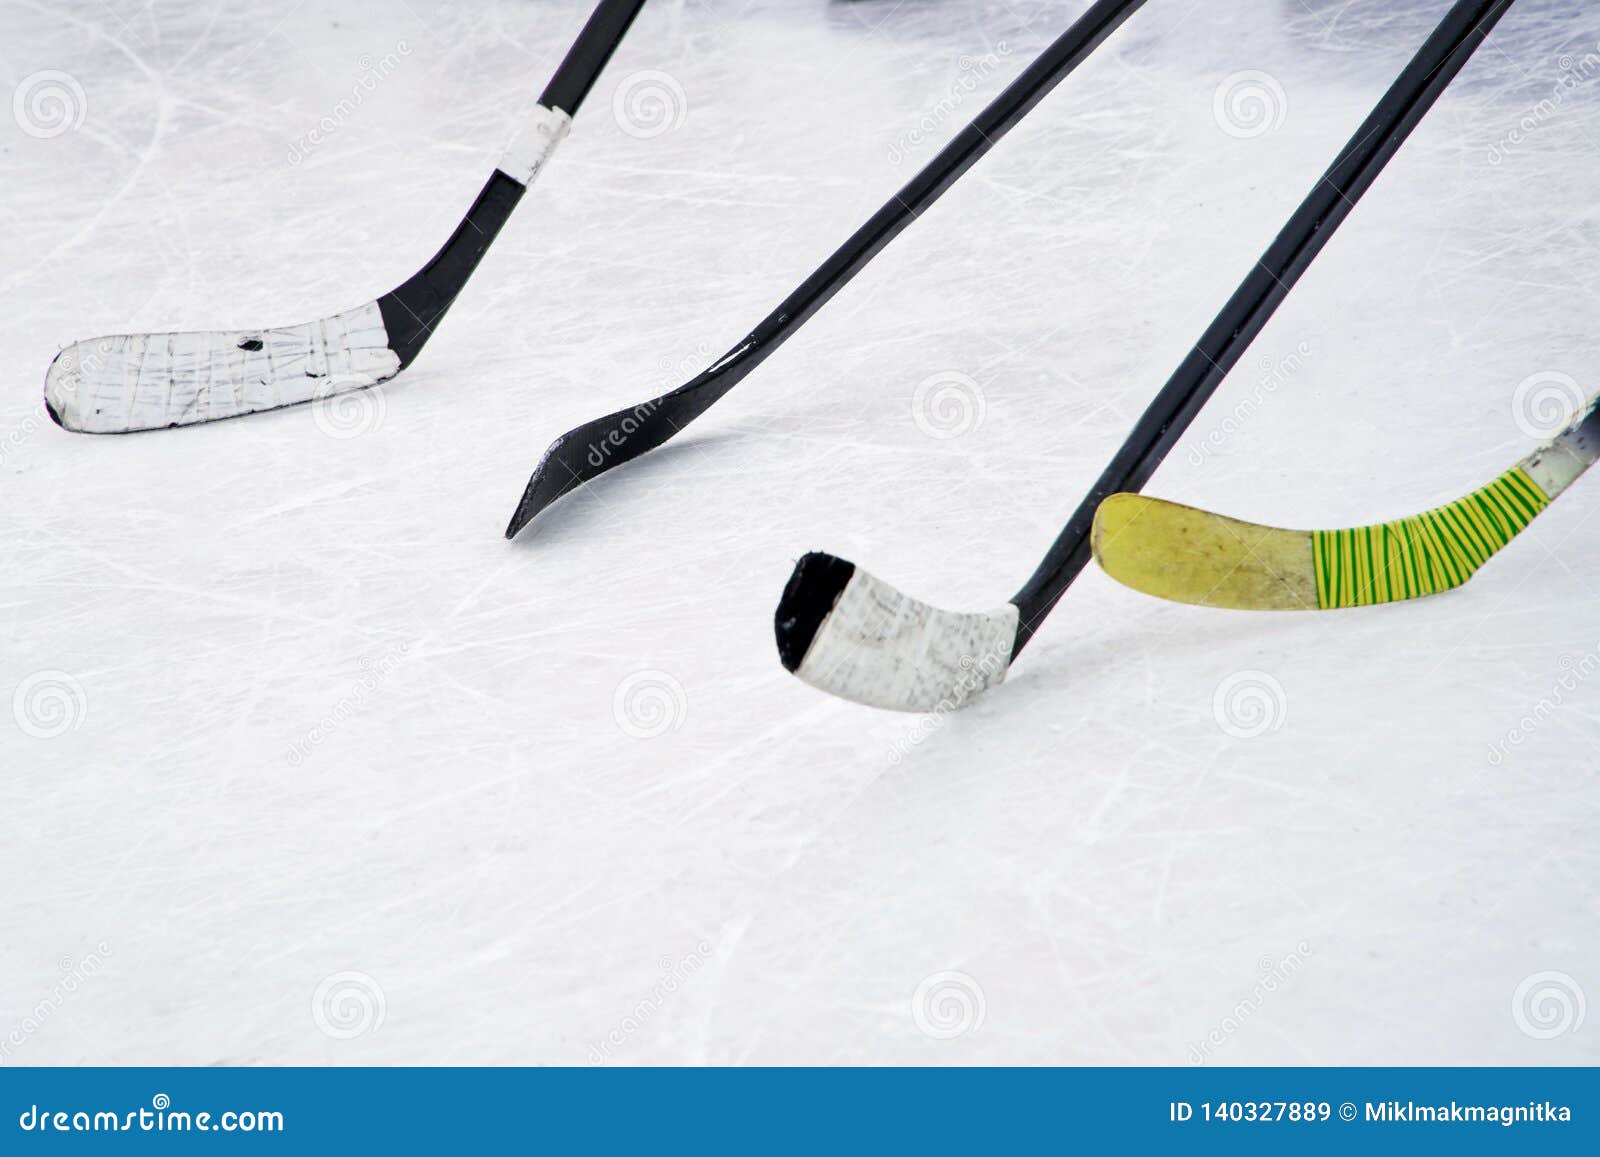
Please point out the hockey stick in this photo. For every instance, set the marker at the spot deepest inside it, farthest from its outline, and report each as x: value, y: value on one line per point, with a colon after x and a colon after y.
x: 1193, y: 556
x: 588, y: 451
x: 850, y: 634
x: 127, y: 382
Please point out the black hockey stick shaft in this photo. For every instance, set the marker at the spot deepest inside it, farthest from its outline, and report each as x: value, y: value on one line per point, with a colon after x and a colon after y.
x: 589, y: 54
x: 1430, y: 72
x: 998, y: 118
x: 595, y: 447
x: 411, y: 311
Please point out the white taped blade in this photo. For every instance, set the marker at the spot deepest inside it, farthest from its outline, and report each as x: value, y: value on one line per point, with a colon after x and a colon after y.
x: 113, y: 385
x: 882, y: 648
x: 535, y: 141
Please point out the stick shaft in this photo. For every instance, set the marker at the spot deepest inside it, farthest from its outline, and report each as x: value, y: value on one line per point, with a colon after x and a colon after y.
x: 587, y: 57
x: 412, y: 310
x: 1035, y: 82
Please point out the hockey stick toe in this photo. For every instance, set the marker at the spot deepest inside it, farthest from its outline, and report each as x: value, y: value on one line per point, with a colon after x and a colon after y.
x: 585, y: 452
x: 1193, y: 556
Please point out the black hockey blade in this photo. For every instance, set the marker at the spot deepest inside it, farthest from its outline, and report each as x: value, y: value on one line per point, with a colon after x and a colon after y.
x: 810, y: 594
x: 585, y: 452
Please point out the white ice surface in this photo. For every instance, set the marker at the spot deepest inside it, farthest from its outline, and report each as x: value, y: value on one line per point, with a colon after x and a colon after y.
x: 318, y: 718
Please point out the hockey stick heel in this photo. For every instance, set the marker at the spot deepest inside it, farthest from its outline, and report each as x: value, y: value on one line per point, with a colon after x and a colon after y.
x: 853, y: 635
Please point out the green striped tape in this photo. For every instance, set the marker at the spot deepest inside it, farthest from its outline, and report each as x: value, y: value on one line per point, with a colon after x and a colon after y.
x: 1426, y: 554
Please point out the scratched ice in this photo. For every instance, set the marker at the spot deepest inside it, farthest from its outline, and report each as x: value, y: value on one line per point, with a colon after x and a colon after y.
x: 300, y: 762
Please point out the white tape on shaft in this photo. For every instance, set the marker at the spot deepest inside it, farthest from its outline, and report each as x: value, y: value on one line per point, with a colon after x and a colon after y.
x: 531, y: 147
x: 1558, y: 463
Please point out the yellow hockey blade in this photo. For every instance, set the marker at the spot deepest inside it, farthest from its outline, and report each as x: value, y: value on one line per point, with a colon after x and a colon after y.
x: 1210, y: 560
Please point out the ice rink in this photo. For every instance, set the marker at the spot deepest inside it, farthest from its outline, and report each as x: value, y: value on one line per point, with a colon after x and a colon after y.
x: 301, y: 762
